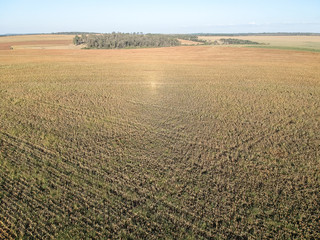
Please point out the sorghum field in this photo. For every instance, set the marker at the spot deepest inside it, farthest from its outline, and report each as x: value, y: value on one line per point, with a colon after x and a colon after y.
x: 189, y: 142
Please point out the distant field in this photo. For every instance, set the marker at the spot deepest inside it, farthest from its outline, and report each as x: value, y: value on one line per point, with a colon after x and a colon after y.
x: 44, y: 37
x: 189, y: 142
x: 306, y: 43
x: 37, y: 42
x: 188, y: 42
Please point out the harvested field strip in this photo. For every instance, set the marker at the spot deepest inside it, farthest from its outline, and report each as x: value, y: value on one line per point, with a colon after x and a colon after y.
x: 7, y: 46
x: 5, y: 231
x: 120, y: 182
x: 95, y: 206
x: 160, y: 131
x: 198, y: 142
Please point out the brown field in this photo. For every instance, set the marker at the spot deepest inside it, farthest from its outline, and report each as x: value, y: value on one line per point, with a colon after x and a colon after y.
x: 188, y: 42
x: 285, y: 42
x: 37, y: 42
x: 190, y: 142
x: 43, y: 37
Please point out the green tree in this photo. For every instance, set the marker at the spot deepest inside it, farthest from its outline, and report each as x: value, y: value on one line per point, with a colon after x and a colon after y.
x: 76, y: 40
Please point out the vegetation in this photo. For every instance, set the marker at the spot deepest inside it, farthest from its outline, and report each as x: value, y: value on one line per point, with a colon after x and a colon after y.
x: 298, y: 43
x: 159, y: 143
x: 125, y: 40
x: 189, y: 37
x: 73, y: 33
x: 227, y: 41
x: 259, y: 34
x: 308, y: 49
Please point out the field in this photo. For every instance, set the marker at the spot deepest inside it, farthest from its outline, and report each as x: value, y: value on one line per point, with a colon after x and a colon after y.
x: 189, y: 142
x: 188, y: 42
x: 304, y: 43
x: 37, y: 42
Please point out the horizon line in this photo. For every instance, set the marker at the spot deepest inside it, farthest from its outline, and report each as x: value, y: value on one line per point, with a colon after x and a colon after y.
x: 194, y: 33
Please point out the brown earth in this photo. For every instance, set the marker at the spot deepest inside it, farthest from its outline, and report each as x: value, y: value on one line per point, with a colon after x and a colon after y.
x: 190, y: 142
x: 8, y: 45
x: 188, y: 42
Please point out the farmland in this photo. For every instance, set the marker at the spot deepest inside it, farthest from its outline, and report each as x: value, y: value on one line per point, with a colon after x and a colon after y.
x: 44, y: 41
x: 187, y: 142
x: 304, y: 43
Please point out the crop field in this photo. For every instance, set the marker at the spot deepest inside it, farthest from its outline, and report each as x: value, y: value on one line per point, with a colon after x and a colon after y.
x: 304, y: 43
x: 37, y: 42
x: 188, y: 42
x: 188, y: 142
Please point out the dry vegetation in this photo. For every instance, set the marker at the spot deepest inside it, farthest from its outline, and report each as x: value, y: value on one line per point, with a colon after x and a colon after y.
x: 311, y: 43
x: 194, y: 142
x: 188, y: 42
x: 37, y: 42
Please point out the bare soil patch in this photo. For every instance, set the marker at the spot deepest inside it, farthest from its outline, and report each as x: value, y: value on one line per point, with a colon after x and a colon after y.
x: 9, y: 45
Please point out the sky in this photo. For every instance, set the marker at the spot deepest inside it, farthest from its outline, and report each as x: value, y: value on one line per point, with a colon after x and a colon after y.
x: 161, y: 16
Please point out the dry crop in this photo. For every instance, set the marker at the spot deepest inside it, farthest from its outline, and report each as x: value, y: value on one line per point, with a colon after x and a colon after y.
x: 305, y: 43
x: 36, y: 41
x: 195, y: 142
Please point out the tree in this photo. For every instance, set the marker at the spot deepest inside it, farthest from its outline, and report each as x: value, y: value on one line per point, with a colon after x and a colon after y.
x: 76, y: 40
x: 123, y: 40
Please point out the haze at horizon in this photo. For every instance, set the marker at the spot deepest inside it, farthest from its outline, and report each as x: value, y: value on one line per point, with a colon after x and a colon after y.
x: 35, y: 16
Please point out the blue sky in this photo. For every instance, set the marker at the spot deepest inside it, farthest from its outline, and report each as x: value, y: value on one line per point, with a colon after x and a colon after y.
x: 161, y: 16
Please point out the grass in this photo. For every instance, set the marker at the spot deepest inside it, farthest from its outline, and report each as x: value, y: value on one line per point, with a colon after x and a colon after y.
x: 191, y: 142
x: 297, y: 43
x: 309, y: 49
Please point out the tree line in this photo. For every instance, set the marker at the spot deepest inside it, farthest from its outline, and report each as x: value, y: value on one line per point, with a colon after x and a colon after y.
x: 190, y: 37
x: 140, y: 40
x: 259, y: 34
x: 226, y: 41
x: 125, y: 40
